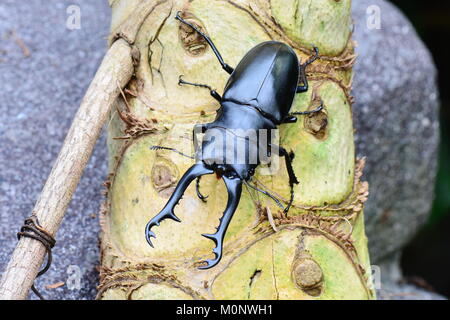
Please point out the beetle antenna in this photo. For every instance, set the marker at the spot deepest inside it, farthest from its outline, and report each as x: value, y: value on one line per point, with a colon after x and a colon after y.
x: 251, y: 194
x: 171, y: 149
x: 278, y: 202
x: 213, y: 92
x: 181, y: 81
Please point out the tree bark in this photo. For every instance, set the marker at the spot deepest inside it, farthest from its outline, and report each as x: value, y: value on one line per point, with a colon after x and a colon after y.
x: 317, y: 251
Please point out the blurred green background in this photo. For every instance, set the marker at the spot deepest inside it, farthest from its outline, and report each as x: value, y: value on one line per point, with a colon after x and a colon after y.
x: 426, y: 260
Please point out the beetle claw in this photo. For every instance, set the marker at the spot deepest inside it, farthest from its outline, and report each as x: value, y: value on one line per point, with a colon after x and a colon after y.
x: 149, y: 234
x: 156, y: 221
x: 180, y: 80
x: 217, y: 253
x: 167, y: 212
x: 201, y: 196
x: 209, y: 263
x: 234, y: 188
x: 212, y: 237
x: 313, y: 58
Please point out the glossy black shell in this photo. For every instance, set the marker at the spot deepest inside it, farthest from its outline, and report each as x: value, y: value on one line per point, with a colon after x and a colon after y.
x: 266, y: 78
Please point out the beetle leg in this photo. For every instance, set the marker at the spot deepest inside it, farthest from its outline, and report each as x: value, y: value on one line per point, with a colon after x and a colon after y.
x: 195, y: 171
x: 313, y: 58
x: 303, y: 79
x: 319, y: 108
x: 288, y: 157
x: 234, y: 188
x: 304, y: 87
x: 225, y: 66
x: 213, y: 92
x: 290, y: 119
x: 197, y: 188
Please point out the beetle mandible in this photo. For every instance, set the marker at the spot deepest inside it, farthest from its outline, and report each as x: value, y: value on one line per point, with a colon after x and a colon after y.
x: 258, y: 95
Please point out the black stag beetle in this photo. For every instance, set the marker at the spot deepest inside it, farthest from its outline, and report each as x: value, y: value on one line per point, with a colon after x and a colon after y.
x: 258, y: 95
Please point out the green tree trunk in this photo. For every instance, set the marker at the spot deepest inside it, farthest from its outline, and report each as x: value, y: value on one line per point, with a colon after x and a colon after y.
x: 317, y: 251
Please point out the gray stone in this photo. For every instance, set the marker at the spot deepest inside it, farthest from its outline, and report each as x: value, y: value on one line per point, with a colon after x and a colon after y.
x: 395, y: 115
x: 397, y: 129
x: 396, y: 120
x: 391, y: 285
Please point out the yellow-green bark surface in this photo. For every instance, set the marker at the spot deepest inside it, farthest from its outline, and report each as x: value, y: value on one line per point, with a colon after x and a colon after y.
x: 318, y: 251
